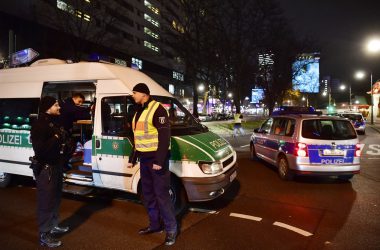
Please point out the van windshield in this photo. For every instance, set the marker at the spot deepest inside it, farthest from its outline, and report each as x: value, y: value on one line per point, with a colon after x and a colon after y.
x: 325, y: 129
x: 182, y: 122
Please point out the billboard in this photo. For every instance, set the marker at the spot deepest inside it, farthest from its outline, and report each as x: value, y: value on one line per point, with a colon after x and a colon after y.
x: 257, y: 95
x: 306, y: 73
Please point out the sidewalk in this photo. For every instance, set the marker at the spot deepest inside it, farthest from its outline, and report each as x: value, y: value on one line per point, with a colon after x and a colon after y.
x: 375, y: 126
x: 223, y: 131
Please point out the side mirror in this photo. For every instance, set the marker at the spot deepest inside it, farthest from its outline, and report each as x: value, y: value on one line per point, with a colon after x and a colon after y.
x: 257, y: 130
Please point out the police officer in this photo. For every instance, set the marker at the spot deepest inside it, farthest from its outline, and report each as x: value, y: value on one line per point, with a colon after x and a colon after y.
x: 71, y: 111
x: 48, y: 145
x: 151, y: 145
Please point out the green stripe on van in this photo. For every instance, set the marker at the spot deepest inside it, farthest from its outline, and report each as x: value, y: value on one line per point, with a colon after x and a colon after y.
x: 15, y: 138
x: 201, y: 147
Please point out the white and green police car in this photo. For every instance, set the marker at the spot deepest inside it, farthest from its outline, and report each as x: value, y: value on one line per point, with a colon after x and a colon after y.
x: 202, y: 163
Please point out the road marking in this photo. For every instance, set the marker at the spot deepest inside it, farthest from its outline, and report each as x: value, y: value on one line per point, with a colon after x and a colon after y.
x: 244, y: 146
x: 244, y: 216
x: 294, y: 229
x: 201, y: 210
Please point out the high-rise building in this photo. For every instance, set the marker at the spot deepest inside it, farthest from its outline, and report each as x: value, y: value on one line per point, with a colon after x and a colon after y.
x: 128, y: 32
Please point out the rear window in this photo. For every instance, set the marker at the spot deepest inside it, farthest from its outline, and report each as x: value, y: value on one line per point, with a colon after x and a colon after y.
x: 353, y: 117
x: 325, y: 129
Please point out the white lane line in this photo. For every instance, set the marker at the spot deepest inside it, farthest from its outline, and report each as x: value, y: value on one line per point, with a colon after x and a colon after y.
x: 373, y: 158
x: 201, y: 210
x: 244, y: 216
x: 294, y: 229
x: 244, y: 146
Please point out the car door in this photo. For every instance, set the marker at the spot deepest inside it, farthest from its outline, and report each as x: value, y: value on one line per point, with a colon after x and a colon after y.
x: 261, y: 137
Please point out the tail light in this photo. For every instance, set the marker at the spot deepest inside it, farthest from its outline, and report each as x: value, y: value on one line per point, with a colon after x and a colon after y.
x: 301, y: 149
x: 358, y: 150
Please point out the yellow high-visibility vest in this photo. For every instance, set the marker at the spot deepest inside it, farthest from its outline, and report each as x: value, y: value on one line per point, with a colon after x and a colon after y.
x: 145, y: 134
x: 237, y: 118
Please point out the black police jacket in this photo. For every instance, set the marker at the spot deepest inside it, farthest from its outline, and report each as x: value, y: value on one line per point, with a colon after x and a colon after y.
x: 46, y: 139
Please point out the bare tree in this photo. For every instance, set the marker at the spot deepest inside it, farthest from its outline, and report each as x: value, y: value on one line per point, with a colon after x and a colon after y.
x: 84, y: 22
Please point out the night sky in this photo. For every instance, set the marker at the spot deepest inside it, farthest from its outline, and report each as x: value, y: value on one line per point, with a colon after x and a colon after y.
x: 341, y: 28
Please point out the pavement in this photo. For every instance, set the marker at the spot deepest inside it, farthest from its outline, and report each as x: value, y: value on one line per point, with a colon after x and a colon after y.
x: 375, y: 126
x: 217, y: 128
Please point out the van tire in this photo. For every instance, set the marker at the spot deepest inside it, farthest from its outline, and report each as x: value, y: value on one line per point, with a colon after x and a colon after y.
x: 177, y: 195
x: 5, y: 179
x: 283, y: 169
x: 253, y: 155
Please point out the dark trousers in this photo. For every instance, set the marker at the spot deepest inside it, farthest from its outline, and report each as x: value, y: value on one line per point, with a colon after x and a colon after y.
x: 49, y: 193
x: 155, y: 187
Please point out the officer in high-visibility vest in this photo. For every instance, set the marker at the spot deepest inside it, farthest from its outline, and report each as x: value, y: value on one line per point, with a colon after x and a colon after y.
x: 237, y: 124
x: 151, y: 131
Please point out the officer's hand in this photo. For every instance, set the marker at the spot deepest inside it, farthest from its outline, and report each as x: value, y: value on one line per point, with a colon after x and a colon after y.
x: 156, y: 167
x: 129, y: 165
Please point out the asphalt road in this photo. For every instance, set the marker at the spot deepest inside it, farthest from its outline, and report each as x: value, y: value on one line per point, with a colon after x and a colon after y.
x: 259, y: 211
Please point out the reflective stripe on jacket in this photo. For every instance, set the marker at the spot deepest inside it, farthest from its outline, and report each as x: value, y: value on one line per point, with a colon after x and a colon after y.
x: 145, y: 134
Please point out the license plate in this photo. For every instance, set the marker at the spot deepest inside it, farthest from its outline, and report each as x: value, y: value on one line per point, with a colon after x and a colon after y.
x: 333, y: 152
x: 233, y: 176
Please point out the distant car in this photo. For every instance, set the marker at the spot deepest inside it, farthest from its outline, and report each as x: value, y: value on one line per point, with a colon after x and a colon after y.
x: 357, y: 120
x: 300, y: 141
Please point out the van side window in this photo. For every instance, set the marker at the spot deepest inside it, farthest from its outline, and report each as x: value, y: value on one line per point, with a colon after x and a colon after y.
x: 18, y: 114
x: 290, y: 127
x: 117, y: 113
x: 279, y: 126
x: 266, y: 127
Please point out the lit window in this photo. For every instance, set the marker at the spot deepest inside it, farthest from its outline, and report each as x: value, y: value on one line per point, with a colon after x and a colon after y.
x: 151, y: 46
x: 171, y: 89
x: 137, y: 63
x: 178, y: 27
x: 151, y: 7
x: 151, y: 20
x: 151, y: 33
x: 70, y: 9
x: 178, y: 76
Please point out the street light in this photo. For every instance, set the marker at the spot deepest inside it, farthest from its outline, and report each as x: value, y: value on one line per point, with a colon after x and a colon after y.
x: 343, y: 87
x: 361, y: 75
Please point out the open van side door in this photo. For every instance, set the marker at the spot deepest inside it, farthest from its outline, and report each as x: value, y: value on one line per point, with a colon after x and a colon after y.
x: 112, y: 143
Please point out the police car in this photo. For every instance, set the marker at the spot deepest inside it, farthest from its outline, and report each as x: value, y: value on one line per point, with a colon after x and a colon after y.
x: 357, y: 120
x: 302, y: 141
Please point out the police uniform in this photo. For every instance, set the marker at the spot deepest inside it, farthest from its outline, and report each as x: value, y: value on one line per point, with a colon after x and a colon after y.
x: 47, y: 143
x: 151, y: 145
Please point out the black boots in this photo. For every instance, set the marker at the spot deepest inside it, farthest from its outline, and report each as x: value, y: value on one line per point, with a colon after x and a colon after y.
x: 149, y: 230
x: 59, y: 230
x: 48, y: 240
x: 170, y: 238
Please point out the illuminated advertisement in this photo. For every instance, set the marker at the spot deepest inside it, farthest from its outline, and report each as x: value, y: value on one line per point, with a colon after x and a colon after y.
x: 257, y: 95
x: 306, y: 74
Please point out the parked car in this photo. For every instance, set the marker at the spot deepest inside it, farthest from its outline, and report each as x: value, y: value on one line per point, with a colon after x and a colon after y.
x: 356, y: 119
x: 301, y: 141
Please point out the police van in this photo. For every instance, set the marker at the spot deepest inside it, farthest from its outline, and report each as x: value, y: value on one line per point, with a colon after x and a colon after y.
x: 302, y: 141
x: 203, y: 164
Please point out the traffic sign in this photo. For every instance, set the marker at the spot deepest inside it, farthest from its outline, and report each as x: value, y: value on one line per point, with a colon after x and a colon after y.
x: 23, y: 56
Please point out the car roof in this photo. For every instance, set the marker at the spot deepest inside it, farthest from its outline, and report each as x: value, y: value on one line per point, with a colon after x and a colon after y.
x: 310, y: 117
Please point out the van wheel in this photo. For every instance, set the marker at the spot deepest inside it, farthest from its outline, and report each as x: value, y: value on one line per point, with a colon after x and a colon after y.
x: 253, y: 154
x: 283, y: 169
x: 5, y: 179
x: 177, y: 195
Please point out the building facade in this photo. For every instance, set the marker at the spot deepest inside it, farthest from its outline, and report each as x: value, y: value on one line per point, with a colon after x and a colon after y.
x: 127, y: 32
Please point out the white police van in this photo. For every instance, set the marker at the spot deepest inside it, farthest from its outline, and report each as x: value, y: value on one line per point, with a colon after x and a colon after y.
x: 203, y: 164
x: 301, y: 141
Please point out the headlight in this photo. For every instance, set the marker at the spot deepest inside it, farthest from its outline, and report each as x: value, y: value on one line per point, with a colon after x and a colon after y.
x: 211, y: 167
